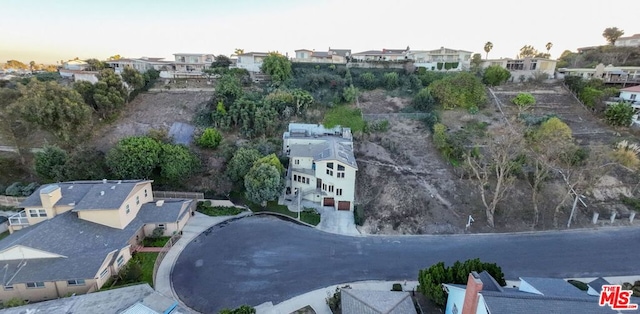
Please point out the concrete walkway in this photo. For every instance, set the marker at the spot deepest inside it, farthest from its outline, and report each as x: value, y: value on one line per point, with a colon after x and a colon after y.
x: 194, y: 227
x: 317, y: 298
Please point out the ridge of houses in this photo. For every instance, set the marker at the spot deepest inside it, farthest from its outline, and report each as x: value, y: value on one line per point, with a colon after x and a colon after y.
x: 72, y: 237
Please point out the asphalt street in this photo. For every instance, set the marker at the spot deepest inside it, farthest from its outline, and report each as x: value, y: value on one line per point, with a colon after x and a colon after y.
x: 258, y: 259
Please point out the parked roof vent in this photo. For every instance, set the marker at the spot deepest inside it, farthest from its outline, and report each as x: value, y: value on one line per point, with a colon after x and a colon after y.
x: 70, y: 187
x: 159, y: 203
x: 101, y: 193
x: 104, y: 181
x: 113, y: 187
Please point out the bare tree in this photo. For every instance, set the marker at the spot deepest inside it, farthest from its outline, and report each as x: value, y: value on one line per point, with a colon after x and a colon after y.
x: 494, y: 170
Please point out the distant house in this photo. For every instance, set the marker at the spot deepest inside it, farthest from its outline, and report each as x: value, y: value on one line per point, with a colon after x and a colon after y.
x: 72, y: 237
x: 376, y: 302
x: 609, y: 73
x: 527, y: 67
x: 251, y: 61
x: 142, y: 65
x: 483, y: 295
x: 79, y: 75
x: 186, y: 64
x: 330, y: 56
x: 629, y: 41
x: 75, y: 65
x: 441, y: 59
x: 322, y: 167
x: 381, y: 55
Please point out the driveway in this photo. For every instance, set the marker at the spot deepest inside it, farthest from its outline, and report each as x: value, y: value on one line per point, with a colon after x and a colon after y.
x: 260, y: 259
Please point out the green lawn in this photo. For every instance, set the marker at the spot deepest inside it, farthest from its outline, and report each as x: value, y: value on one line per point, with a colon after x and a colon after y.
x: 309, y: 216
x: 206, y: 208
x: 4, y: 234
x: 139, y: 269
x: 155, y: 242
x: 345, y: 117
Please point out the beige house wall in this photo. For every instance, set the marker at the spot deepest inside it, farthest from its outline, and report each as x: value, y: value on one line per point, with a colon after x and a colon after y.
x: 134, y: 207
x: 107, y: 217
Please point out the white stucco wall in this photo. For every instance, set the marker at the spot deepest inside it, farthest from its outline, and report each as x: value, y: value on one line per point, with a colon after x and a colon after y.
x: 629, y: 96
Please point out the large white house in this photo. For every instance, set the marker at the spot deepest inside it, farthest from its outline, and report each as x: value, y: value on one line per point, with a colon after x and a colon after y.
x: 251, y: 61
x: 322, y: 167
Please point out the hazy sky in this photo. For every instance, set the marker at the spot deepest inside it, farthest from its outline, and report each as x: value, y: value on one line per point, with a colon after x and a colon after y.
x: 50, y: 30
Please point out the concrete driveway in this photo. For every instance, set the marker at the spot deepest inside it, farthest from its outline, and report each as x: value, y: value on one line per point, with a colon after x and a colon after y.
x: 260, y: 259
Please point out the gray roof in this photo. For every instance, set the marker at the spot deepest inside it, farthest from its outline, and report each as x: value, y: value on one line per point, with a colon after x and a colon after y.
x: 341, y: 52
x: 554, y: 287
x: 382, y: 52
x: 86, y: 194
x: 379, y: 301
x: 333, y: 148
x: 83, y: 244
x: 501, y: 303
x: 597, y: 284
x: 489, y: 283
x: 320, y: 54
x: 106, y: 302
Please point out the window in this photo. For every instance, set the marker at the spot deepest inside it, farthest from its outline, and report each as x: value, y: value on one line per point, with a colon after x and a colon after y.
x: 324, y: 187
x: 295, y: 177
x: 307, y: 179
x: 75, y: 282
x: 296, y: 161
x: 633, y: 96
x: 127, y: 210
x: 330, y: 172
x: 145, y: 193
x: 120, y: 260
x: 340, y: 174
x: 34, y: 285
x: 340, y: 168
x: 338, y: 191
x: 330, y: 165
x: 137, y: 200
x: 454, y: 310
x: 37, y: 213
x: 104, y: 272
x: 8, y: 287
x: 331, y: 188
x: 161, y: 226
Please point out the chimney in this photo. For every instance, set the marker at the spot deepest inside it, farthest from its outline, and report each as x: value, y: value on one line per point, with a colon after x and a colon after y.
x: 50, y: 195
x: 160, y: 203
x: 471, y: 297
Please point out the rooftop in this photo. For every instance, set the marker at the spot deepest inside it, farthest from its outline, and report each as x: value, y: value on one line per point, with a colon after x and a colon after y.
x: 633, y: 89
x: 382, y: 301
x: 106, y: 302
x: 321, y: 143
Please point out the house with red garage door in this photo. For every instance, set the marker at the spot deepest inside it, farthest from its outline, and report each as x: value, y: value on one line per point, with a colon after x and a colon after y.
x: 322, y: 167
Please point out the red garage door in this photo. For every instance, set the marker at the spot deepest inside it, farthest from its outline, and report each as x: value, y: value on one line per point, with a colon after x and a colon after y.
x: 328, y: 201
x: 344, y: 205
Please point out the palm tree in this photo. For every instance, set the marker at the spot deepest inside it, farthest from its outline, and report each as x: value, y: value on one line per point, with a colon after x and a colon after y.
x: 31, y: 65
x: 487, y: 47
x: 548, y: 46
x: 238, y: 51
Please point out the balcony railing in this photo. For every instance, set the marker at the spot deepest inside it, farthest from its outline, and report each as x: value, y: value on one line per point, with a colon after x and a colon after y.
x: 19, y: 219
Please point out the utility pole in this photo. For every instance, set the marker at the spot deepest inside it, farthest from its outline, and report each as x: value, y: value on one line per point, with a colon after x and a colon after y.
x: 573, y: 209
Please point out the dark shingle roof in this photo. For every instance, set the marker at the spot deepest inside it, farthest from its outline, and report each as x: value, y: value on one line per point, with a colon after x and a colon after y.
x: 553, y: 287
x: 597, y: 284
x: 489, y: 283
x: 536, y: 304
x: 83, y: 244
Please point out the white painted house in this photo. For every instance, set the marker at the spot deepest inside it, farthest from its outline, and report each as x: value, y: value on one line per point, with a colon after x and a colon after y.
x: 443, y: 59
x: 629, y: 41
x: 322, y: 166
x: 251, y: 61
x: 631, y: 94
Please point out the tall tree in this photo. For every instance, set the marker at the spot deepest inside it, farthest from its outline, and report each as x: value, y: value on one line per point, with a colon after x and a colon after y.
x: 221, y: 61
x: 238, y: 51
x: 15, y: 64
x: 494, y: 170
x: 549, y: 45
x: 611, y: 34
x: 263, y: 183
x: 277, y: 66
x: 527, y: 51
x: 134, y: 157
x: 115, y: 57
x: 50, y: 164
x: 133, y: 78
x: 177, y: 162
x: 14, y: 128
x: 95, y: 65
x: 107, y: 96
x: 32, y: 64
x: 54, y: 108
x: 487, y: 47
x: 242, y: 160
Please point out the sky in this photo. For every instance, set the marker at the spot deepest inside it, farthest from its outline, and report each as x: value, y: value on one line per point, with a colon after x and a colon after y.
x: 47, y: 31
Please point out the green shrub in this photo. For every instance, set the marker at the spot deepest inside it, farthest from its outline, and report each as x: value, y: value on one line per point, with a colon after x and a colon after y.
x: 14, y: 302
x: 423, y: 100
x: 396, y: 287
x: 391, y: 80
x: 591, y: 96
x: 495, y: 75
x: 349, y: 94
x: 524, y: 100
x: 210, y: 138
x: 18, y: 189
x: 358, y: 215
x: 633, y: 203
x: 368, y: 80
x: 377, y: 126
x: 579, y: 284
x: 620, y: 114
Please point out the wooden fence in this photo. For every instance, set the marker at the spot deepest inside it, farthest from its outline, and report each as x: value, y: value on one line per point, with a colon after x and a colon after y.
x: 180, y: 195
x: 11, y: 200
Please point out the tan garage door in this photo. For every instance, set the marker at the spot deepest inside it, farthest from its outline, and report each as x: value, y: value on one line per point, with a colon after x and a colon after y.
x: 329, y: 201
x: 344, y: 205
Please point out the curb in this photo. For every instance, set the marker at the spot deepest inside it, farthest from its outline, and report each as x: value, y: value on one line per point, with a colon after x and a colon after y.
x: 294, y: 220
